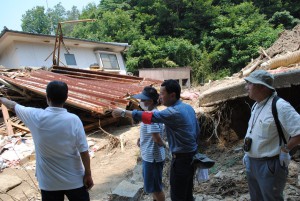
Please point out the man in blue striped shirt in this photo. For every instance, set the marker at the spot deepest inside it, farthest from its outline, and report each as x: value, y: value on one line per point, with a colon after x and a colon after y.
x: 182, y: 130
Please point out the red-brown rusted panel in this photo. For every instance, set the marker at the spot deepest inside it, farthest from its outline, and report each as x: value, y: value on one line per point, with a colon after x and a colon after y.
x: 97, y: 93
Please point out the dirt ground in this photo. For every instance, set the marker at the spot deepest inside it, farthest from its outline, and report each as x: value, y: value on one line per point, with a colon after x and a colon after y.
x: 112, y: 165
x: 109, y: 166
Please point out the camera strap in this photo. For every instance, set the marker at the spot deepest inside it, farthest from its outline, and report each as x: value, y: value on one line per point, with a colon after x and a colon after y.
x: 254, y: 119
x: 277, y: 122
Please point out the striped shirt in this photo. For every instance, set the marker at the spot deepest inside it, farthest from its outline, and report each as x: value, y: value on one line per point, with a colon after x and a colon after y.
x: 150, y: 150
x: 182, y: 127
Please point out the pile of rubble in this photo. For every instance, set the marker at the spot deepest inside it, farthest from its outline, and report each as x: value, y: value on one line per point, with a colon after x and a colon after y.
x: 92, y: 95
x: 225, y: 103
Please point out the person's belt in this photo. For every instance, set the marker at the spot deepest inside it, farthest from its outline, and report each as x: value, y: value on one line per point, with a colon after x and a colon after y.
x: 265, y: 158
x: 183, y: 155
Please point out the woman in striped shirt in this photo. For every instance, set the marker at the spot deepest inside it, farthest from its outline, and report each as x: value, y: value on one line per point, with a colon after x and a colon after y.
x: 152, y: 146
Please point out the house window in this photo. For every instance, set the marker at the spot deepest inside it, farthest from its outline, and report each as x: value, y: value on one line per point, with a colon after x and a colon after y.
x: 70, y: 59
x: 109, y: 61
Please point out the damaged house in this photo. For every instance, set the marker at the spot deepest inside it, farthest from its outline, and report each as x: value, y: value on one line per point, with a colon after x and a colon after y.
x: 74, y: 61
x: 20, y: 49
x: 94, y: 71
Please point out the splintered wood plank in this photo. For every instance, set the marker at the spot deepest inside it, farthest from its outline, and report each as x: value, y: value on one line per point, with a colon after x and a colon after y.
x: 7, y: 120
x: 20, y: 127
x: 103, y: 122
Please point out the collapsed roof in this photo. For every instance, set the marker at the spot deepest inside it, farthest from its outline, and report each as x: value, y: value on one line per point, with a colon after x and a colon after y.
x: 93, y: 91
x: 282, y: 60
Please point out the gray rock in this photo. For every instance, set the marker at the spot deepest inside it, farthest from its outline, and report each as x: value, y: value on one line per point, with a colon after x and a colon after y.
x: 8, y: 182
x: 220, y: 174
x: 199, y: 198
x: 245, y: 197
x: 137, y: 174
x: 127, y: 191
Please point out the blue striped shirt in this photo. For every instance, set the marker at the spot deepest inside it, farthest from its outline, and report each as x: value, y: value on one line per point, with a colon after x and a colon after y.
x: 181, y: 124
x: 150, y: 150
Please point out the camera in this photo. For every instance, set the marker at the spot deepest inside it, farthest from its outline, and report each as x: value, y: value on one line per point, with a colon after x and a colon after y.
x: 247, y: 144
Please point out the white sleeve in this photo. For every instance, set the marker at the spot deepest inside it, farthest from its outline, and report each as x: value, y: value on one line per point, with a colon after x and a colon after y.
x: 288, y: 117
x: 81, y: 143
x: 25, y: 114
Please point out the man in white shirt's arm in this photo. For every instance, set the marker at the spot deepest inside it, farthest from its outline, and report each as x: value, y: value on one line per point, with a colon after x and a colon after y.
x: 62, y: 158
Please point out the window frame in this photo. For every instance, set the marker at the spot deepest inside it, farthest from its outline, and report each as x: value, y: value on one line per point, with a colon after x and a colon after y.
x: 102, y: 63
x: 70, y: 61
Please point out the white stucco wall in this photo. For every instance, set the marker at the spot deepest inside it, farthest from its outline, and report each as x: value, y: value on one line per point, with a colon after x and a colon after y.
x: 33, y: 55
x: 9, y: 57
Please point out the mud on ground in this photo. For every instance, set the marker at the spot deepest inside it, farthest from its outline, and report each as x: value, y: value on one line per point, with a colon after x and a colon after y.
x: 112, y: 165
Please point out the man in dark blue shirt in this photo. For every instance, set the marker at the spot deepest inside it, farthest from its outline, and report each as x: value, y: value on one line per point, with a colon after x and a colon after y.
x: 182, y: 129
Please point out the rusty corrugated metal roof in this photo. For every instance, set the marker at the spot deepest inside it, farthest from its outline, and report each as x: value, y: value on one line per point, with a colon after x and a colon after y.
x: 101, y: 75
x: 96, y: 94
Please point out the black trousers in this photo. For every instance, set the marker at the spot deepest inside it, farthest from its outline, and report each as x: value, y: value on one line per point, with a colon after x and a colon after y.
x: 78, y: 194
x: 182, y: 178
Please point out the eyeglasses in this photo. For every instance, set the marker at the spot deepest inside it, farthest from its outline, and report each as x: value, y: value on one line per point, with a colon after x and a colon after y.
x: 142, y: 100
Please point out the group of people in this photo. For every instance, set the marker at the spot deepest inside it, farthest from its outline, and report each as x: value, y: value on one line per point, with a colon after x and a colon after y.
x: 63, y: 163
x: 182, y: 129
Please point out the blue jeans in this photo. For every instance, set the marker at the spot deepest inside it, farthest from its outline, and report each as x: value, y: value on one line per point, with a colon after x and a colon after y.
x: 181, y: 179
x: 266, y: 179
x: 78, y: 194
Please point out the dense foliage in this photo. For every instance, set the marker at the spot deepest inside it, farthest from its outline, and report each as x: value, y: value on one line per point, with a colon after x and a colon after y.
x: 215, y: 37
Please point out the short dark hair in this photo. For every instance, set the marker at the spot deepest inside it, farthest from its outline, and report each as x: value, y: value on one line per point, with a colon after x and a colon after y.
x: 57, y: 92
x: 152, y: 93
x: 172, y: 86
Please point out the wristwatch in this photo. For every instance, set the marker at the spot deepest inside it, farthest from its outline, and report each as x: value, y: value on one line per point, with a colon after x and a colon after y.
x: 285, y: 148
x: 123, y: 113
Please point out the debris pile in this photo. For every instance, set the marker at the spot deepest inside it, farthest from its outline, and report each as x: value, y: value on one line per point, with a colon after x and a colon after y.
x: 283, y: 53
x: 92, y: 94
x: 228, y: 97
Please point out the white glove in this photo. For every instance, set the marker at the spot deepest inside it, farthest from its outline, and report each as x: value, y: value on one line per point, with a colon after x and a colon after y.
x: 244, y: 159
x: 284, y: 159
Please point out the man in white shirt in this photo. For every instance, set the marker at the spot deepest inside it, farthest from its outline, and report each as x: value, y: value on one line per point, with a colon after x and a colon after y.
x: 266, y: 159
x: 62, y: 158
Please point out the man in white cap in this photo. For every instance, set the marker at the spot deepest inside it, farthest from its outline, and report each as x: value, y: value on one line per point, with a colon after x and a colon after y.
x: 266, y: 158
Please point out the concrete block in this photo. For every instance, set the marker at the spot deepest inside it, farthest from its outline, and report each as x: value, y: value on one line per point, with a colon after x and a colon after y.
x: 127, y: 191
x: 8, y: 182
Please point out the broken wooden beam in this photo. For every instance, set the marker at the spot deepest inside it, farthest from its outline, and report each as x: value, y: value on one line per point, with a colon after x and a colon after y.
x: 20, y: 127
x: 6, y: 120
x: 103, y: 122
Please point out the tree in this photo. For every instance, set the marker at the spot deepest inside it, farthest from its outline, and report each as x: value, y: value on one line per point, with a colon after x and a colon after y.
x: 36, y: 21
x: 72, y: 14
x: 87, y: 30
x: 118, y: 26
x: 285, y: 19
x: 239, y: 32
x: 56, y: 15
x: 269, y: 7
x: 162, y: 52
